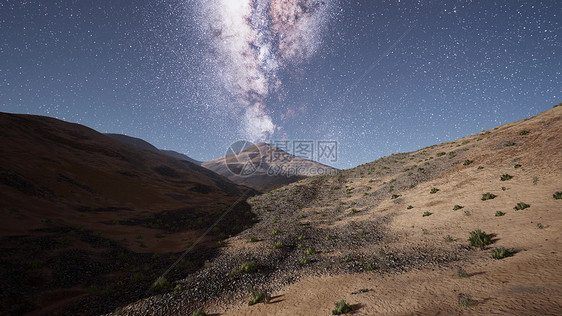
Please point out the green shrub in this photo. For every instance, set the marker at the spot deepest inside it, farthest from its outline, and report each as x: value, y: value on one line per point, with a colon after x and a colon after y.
x: 461, y: 273
x: 310, y: 251
x: 466, y: 301
x: 161, y: 284
x: 248, y: 267
x: 509, y: 144
x: 329, y: 237
x: 277, y: 245
x: 467, y: 162
x: 341, y: 308
x: 488, y: 196
x: 479, y: 238
x: 457, y: 207
x: 505, y: 177
x: 274, y: 232
x: 410, y: 207
x: 557, y: 196
x: 258, y: 297
x: 524, y: 132
x: 252, y: 239
x: 304, y: 261
x: 480, y: 167
x: 521, y: 206
x: 198, y: 312
x: 517, y: 166
x: 347, y: 259
x: 370, y: 267
x: 500, y: 213
x: 441, y: 154
x: 434, y: 190
x: 395, y: 196
x: 426, y: 213
x: 501, y: 252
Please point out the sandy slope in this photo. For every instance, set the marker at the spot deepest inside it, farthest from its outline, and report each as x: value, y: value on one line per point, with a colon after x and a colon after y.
x: 528, y: 283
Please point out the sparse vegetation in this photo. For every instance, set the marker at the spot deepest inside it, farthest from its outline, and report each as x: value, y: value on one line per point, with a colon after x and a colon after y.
x: 341, y: 308
x: 479, y: 238
x: 505, y: 177
x: 466, y: 301
x: 461, y: 273
x: 395, y: 196
x: 252, y: 239
x: 488, y: 196
x: 500, y: 213
x: 557, y: 196
x: 467, y: 162
x: 426, y: 213
x: 434, y: 190
x: 161, y: 284
x: 277, y: 245
x: 441, y: 154
x: 274, y: 232
x: 310, y: 251
x: 304, y: 261
x: 410, y: 207
x: 248, y: 267
x: 517, y: 166
x: 329, y: 237
x: 501, y: 252
x: 457, y: 207
x: 258, y: 297
x: 198, y: 312
x: 524, y: 132
x: 509, y: 144
x: 521, y: 206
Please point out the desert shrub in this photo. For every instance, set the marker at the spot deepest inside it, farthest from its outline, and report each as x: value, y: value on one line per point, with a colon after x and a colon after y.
x: 488, y: 196
x: 521, y: 206
x: 452, y: 155
x: 426, y: 213
x: 500, y: 213
x: 370, y: 267
x: 277, y: 245
x: 347, y: 259
x: 258, y: 297
x: 161, y: 284
x: 501, y: 252
x: 301, y: 237
x: 304, y: 261
x: 410, y: 207
x: 467, y: 213
x: 457, y: 207
x: 274, y: 232
x: 248, y: 267
x: 341, y: 308
x: 252, y: 239
x: 329, y: 237
x: 310, y: 251
x: 441, y: 154
x: 540, y: 226
x: 354, y: 210
x: 395, y: 196
x: 524, y: 132
x: 467, y: 162
x: 505, y: 177
x: 480, y: 167
x: 466, y: 301
x: 198, y: 312
x: 434, y: 190
x: 461, y: 273
x: 509, y: 144
x: 557, y: 196
x: 479, y: 238
x: 137, y: 277
x: 517, y: 166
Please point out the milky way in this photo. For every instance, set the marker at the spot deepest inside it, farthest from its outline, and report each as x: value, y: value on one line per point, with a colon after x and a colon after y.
x: 252, y: 41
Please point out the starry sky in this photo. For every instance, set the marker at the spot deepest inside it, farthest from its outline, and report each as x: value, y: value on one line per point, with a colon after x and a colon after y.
x: 378, y: 77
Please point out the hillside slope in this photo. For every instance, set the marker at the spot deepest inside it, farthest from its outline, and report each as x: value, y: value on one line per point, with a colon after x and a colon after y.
x: 148, y: 146
x: 391, y: 237
x: 88, y: 222
x: 274, y: 167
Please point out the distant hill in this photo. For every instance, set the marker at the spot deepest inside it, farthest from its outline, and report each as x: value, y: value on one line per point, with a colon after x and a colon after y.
x: 83, y: 213
x: 271, y: 172
x: 148, y: 146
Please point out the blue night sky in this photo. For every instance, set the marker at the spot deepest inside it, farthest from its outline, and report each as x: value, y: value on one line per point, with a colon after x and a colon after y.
x: 194, y: 76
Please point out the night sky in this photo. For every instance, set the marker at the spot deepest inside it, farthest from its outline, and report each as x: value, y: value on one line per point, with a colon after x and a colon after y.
x: 379, y: 77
